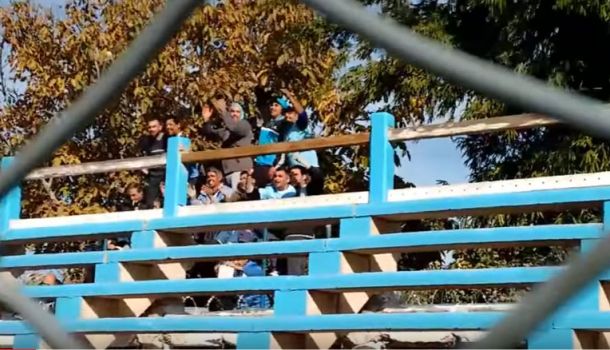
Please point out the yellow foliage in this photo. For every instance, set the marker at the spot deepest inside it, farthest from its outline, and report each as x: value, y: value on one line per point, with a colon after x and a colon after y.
x: 249, y: 49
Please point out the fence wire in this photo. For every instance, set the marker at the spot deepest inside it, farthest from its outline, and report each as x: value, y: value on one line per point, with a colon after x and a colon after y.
x: 581, y: 112
x: 75, y: 118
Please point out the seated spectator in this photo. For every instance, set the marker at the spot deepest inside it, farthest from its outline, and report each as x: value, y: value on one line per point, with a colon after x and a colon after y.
x: 233, y: 130
x: 175, y: 127
x: 135, y: 202
x: 246, y: 186
x: 299, y: 179
x: 136, y: 198
x: 45, y: 277
x: 279, y: 188
x: 213, y: 190
x: 154, y: 143
x: 249, y: 268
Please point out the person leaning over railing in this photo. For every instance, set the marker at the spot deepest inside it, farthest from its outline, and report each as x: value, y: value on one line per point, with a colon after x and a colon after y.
x: 233, y: 130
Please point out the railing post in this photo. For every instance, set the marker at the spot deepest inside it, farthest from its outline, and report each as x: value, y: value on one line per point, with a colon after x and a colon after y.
x: 176, y: 176
x: 10, y: 209
x: 381, y: 164
x: 590, y: 298
x: 10, y: 204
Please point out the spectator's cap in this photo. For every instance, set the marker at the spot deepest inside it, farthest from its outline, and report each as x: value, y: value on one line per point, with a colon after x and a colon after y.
x: 283, y: 102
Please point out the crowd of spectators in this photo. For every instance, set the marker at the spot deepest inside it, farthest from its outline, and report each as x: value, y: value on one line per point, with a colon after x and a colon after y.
x: 272, y: 176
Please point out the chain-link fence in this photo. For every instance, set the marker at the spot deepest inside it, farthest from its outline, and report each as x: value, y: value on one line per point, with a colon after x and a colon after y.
x: 581, y: 112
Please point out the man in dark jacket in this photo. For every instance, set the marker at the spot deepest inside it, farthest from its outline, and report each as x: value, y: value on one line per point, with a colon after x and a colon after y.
x: 233, y: 130
x: 153, y: 144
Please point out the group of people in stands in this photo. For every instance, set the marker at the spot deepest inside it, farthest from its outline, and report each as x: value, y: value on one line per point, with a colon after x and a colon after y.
x: 264, y: 177
x: 272, y: 176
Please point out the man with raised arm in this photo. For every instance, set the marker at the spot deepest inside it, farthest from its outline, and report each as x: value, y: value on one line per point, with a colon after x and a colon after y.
x: 296, y: 127
x: 233, y: 130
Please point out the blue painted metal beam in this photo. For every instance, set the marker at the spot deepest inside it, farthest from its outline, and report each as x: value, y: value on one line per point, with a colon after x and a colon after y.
x: 591, y: 196
x: 325, y: 323
x: 444, y: 239
x: 431, y: 240
x: 51, y: 260
x: 477, y: 278
x: 14, y: 328
x: 588, y: 320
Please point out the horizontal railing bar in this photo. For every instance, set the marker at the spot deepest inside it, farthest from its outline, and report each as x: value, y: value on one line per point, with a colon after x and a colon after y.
x: 404, y: 242
x: 203, y: 218
x: 294, y: 324
x: 472, y: 127
x: 469, y: 127
x: 597, y: 320
x: 106, y: 166
x: 476, y: 278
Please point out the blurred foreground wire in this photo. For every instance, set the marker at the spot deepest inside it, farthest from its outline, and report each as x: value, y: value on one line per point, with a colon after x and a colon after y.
x: 581, y: 112
x: 41, y: 321
x: 75, y: 118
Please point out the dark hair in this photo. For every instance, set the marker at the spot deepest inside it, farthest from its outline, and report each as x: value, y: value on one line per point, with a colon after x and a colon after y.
x: 284, y: 169
x: 301, y: 168
x: 244, y: 172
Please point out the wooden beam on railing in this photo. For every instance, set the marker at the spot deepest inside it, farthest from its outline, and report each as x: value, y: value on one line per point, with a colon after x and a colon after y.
x: 473, y: 127
x: 469, y: 127
x: 106, y: 166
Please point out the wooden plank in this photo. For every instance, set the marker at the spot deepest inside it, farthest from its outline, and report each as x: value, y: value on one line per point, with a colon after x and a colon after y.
x: 106, y: 166
x: 469, y: 127
x: 281, y: 147
x: 473, y: 127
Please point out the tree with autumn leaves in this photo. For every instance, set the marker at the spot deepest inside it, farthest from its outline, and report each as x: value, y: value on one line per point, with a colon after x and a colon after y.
x: 247, y: 50
x: 244, y: 50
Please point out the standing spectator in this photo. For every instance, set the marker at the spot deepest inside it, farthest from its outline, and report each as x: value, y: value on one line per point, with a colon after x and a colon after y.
x: 136, y: 198
x: 296, y: 128
x: 269, y: 133
x: 153, y: 144
x: 135, y: 202
x: 233, y: 131
x: 175, y: 127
